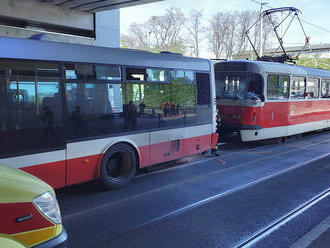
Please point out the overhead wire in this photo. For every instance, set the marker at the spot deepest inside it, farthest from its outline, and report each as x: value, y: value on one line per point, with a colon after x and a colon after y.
x: 307, y: 22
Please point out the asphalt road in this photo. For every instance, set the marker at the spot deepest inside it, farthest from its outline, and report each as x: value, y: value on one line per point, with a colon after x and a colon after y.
x: 207, y: 201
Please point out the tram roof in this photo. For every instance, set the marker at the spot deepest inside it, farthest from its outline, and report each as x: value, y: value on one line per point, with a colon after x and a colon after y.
x: 27, y: 49
x: 272, y: 67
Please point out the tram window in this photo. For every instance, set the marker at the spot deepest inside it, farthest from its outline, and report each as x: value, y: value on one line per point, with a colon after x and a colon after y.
x: 325, y: 90
x: 254, y: 87
x: 231, y: 85
x: 312, y: 88
x: 298, y: 88
x: 278, y: 87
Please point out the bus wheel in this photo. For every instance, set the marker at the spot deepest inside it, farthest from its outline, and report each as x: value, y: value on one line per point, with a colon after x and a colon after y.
x: 118, y: 166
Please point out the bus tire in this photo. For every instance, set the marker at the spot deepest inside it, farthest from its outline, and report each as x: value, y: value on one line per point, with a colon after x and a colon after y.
x: 118, y: 166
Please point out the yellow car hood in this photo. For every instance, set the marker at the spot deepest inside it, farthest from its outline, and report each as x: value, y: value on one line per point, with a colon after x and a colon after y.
x: 19, y: 186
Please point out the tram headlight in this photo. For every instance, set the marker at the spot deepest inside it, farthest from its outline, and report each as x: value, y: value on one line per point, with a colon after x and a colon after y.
x: 48, y: 205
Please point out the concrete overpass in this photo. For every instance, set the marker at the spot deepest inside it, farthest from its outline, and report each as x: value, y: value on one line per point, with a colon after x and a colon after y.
x: 94, y: 6
x: 94, y: 22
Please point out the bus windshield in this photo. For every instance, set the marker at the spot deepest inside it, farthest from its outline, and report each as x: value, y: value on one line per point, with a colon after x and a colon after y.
x: 238, y: 86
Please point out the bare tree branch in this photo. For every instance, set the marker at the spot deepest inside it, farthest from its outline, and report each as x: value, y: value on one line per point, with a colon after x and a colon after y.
x: 195, y: 29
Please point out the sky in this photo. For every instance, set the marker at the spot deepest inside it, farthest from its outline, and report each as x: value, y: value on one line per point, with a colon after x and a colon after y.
x: 313, y: 11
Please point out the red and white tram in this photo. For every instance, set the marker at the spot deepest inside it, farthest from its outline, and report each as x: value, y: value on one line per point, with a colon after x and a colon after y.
x: 73, y: 113
x: 263, y: 100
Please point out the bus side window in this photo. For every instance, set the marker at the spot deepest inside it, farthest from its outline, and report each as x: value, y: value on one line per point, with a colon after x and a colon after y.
x: 32, y: 119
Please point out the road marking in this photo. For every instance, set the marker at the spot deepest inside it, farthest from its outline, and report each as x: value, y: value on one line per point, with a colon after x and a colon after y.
x: 311, y: 236
x: 222, y: 161
x: 283, y: 220
x: 265, y: 152
x: 225, y: 193
x: 229, y: 192
x: 309, y: 144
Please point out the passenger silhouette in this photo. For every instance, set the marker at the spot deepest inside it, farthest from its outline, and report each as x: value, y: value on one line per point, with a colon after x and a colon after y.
x: 48, y: 119
x: 131, y: 116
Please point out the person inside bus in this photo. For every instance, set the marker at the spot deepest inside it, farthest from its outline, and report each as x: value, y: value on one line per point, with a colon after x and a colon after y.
x: 79, y: 121
x: 48, y: 119
x: 142, y: 107
x: 131, y: 120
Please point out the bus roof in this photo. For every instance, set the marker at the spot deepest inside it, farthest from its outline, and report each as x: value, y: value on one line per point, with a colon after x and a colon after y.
x: 270, y: 67
x: 27, y: 49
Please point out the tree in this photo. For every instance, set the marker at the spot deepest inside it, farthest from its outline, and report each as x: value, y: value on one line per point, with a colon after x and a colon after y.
x: 167, y: 31
x: 244, y: 20
x: 229, y: 27
x: 215, y: 34
x: 138, y: 37
x: 158, y: 33
x: 195, y: 29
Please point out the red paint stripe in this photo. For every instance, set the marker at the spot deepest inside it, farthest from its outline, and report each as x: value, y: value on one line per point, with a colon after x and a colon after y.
x: 83, y: 169
x: 87, y: 168
x: 276, y: 114
x: 9, y: 212
x: 51, y: 173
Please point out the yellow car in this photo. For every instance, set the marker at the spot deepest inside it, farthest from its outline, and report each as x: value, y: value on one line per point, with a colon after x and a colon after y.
x: 29, y: 212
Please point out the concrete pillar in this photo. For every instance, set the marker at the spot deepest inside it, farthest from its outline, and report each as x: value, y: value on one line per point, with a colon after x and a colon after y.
x: 108, y: 28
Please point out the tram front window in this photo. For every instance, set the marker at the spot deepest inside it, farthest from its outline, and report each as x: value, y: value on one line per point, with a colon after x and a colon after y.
x: 238, y: 86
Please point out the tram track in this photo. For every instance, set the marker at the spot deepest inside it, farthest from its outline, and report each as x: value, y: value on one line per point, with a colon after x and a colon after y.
x: 218, y: 188
x: 284, y: 219
x: 265, y: 231
x: 183, y: 182
x: 309, y: 144
x: 195, y: 162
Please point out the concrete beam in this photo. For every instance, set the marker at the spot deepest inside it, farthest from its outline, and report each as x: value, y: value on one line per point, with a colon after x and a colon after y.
x: 46, y: 13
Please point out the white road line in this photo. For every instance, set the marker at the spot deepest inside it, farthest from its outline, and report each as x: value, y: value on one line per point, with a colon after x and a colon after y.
x: 206, y: 200
x: 245, y: 163
x: 316, y: 232
x: 285, y: 219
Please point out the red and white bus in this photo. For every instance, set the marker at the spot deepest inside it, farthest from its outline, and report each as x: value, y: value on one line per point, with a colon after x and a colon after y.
x: 263, y: 100
x: 73, y: 113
